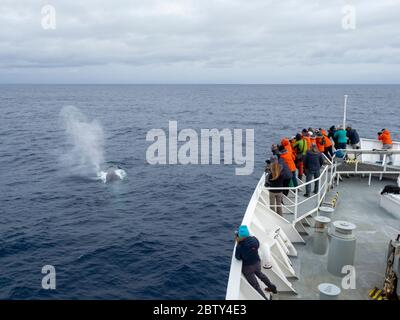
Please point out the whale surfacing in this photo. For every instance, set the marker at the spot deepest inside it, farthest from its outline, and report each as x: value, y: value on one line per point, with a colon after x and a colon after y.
x: 112, y: 174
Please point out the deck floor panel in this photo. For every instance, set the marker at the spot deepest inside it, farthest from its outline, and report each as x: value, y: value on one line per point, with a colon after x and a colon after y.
x: 358, y: 203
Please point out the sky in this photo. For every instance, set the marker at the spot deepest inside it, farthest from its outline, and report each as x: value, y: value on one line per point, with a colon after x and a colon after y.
x: 200, y: 41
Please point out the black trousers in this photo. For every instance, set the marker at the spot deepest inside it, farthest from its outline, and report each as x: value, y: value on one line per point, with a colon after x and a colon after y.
x: 329, y: 152
x: 251, y: 272
x: 286, y: 183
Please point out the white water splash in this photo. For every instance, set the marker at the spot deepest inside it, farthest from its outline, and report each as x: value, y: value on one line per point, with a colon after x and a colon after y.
x: 105, y: 175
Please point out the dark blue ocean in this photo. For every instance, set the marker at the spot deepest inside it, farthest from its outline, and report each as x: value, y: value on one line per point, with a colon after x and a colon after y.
x: 166, y: 231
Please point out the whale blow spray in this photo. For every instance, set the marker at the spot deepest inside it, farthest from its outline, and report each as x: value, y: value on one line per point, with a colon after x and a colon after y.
x: 86, y: 141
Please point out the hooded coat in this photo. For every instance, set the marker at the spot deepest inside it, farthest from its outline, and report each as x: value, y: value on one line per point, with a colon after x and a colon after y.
x: 247, y: 251
x: 385, y: 137
x: 313, y: 161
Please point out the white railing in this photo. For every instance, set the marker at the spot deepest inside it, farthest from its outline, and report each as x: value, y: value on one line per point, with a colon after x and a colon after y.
x: 330, y: 174
x: 303, y: 207
x: 352, y: 157
x: 373, y: 144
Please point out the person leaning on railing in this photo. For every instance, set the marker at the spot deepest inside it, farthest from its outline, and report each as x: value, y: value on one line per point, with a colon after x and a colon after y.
x: 354, y: 138
x: 331, y: 135
x: 328, y: 144
x: 275, y: 180
x: 286, y: 173
x: 386, y: 139
x: 287, y: 157
x: 300, y: 148
x: 341, y: 136
x: 247, y: 251
x: 313, y: 162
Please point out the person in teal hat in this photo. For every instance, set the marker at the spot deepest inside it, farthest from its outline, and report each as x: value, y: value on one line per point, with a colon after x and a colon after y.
x: 247, y: 251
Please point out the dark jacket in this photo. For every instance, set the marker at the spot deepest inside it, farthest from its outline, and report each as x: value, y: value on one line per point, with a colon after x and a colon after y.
x: 353, y: 136
x: 286, y: 173
x: 313, y: 161
x: 247, y: 250
x: 331, y: 134
x: 278, y: 183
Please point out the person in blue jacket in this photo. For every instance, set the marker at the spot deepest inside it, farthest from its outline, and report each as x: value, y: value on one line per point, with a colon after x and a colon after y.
x: 247, y: 251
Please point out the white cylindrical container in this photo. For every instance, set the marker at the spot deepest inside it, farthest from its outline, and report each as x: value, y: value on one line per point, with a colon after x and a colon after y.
x: 326, y: 211
x: 328, y: 291
x: 320, y: 236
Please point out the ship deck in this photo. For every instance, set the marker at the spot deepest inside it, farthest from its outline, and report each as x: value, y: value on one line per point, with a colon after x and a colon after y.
x: 358, y: 203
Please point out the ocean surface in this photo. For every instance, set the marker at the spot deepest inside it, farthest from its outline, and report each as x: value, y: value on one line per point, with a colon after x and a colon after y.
x: 166, y: 231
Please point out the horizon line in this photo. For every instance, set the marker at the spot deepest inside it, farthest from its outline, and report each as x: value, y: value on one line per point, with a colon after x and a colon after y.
x: 194, y: 83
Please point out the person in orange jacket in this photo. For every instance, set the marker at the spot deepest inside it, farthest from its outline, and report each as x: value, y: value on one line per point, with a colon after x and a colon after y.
x: 320, y: 142
x: 288, y: 158
x: 286, y: 143
x: 328, y: 144
x: 387, y: 142
x: 386, y: 139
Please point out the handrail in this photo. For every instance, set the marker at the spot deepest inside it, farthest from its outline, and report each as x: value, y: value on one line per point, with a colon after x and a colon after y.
x: 375, y: 151
x: 325, y: 181
x: 299, y: 186
x: 327, y: 159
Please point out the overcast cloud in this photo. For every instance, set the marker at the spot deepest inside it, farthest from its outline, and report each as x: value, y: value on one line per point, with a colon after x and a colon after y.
x: 200, y: 41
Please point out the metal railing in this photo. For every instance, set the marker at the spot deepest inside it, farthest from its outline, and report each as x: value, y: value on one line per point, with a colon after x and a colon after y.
x: 302, y: 207
x: 352, y: 159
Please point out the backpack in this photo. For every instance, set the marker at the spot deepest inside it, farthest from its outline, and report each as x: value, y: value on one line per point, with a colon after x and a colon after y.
x: 339, y: 154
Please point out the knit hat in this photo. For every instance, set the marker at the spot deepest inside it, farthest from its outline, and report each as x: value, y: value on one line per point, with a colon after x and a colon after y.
x: 243, y: 232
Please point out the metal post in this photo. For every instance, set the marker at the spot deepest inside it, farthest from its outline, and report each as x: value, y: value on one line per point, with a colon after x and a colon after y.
x: 345, y: 111
x: 384, y: 166
x: 295, y: 203
x: 319, y: 192
x: 326, y: 181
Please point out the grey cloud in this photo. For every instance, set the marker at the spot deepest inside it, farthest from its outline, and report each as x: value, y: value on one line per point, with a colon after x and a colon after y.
x: 227, y: 40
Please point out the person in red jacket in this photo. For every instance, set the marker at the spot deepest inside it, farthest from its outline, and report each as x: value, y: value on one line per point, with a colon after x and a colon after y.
x: 288, y: 158
x: 387, y: 142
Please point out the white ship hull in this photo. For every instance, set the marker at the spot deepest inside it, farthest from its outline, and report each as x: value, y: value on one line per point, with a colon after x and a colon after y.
x: 283, y: 239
